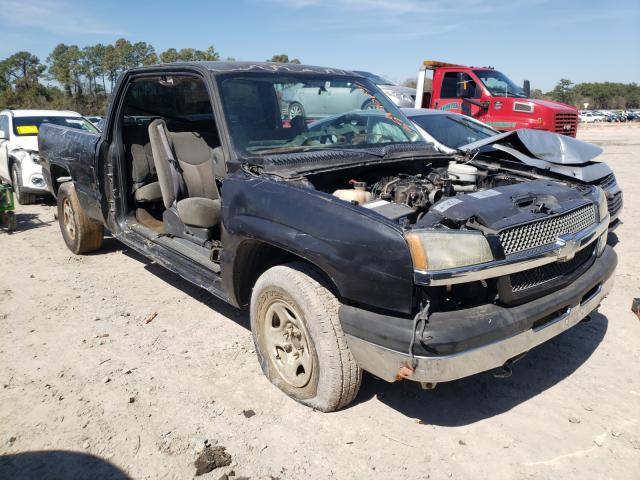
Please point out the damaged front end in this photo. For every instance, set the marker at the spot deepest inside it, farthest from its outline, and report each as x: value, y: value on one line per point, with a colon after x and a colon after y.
x: 501, y: 263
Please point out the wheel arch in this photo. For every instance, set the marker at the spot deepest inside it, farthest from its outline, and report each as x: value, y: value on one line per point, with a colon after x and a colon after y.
x: 56, y: 172
x: 11, y: 161
x: 254, y: 257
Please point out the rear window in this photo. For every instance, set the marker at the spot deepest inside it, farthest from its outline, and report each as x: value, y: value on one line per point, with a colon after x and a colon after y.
x: 169, y: 97
x: 29, y: 126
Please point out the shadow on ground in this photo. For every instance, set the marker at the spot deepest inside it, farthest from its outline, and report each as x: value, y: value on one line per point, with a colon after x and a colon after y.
x: 482, y: 396
x: 58, y: 464
x: 241, y: 317
x: 457, y: 403
x: 30, y: 221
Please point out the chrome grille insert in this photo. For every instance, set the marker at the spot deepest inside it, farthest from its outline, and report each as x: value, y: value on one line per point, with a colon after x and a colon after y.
x: 546, y: 231
x: 556, y: 271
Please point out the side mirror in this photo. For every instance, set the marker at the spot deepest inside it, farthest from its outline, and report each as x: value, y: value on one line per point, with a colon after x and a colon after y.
x: 466, y: 86
x: 526, y: 86
x: 3, y: 135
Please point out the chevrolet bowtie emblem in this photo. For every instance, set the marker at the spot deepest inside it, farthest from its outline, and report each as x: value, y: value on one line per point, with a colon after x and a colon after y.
x: 566, y: 249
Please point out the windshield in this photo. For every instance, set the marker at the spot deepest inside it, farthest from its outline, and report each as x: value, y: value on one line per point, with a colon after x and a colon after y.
x: 453, y: 131
x: 499, y: 85
x: 376, y: 79
x: 29, y: 126
x: 269, y: 114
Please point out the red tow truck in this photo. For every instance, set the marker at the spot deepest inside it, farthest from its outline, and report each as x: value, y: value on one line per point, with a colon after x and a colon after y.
x: 489, y: 96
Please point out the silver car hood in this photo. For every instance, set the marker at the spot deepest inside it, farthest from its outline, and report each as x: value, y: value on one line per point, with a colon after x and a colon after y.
x: 399, y: 89
x: 548, y: 151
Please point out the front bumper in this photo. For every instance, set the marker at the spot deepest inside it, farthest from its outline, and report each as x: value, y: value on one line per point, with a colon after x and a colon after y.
x: 470, y: 341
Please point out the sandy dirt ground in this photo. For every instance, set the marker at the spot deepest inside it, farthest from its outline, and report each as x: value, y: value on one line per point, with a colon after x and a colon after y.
x: 90, y: 390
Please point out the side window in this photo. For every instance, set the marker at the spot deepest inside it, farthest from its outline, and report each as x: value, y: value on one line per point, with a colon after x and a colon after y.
x: 4, y: 124
x: 450, y: 85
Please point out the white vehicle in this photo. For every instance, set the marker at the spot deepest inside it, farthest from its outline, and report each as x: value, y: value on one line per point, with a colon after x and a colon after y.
x: 590, y: 117
x: 400, y: 95
x: 19, y: 161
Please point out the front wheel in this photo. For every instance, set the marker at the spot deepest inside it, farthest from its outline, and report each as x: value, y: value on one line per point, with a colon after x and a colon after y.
x: 369, y: 105
x: 81, y: 233
x: 22, y: 197
x: 299, y: 341
x: 296, y: 110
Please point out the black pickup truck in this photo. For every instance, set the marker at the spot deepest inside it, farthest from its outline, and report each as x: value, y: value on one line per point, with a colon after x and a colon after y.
x: 355, y: 244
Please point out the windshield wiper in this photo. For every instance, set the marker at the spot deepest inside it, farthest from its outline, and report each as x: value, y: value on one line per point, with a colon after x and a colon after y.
x: 311, y: 148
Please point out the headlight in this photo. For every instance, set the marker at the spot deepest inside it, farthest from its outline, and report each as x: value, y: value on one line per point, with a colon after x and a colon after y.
x: 602, y: 242
x: 22, y: 155
x: 433, y: 250
x: 392, y: 95
x: 603, y: 208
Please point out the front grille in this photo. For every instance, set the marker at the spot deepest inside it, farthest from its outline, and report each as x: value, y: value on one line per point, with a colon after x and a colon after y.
x: 614, y: 203
x: 538, y: 276
x: 561, y: 121
x: 546, y: 231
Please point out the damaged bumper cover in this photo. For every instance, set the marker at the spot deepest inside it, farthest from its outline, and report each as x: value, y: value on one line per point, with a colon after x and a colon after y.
x: 469, y: 341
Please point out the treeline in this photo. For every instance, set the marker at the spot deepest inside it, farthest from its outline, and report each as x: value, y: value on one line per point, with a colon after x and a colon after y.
x: 603, y: 95
x: 81, y: 79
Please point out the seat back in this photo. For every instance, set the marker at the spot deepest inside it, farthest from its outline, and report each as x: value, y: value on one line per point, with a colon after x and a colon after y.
x: 184, y: 164
x: 195, y: 159
x: 139, y: 155
x: 167, y: 167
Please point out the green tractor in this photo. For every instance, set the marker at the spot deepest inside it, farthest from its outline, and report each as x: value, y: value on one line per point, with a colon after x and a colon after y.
x: 7, y: 214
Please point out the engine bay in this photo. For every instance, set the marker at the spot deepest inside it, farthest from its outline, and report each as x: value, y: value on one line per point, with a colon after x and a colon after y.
x: 449, y: 193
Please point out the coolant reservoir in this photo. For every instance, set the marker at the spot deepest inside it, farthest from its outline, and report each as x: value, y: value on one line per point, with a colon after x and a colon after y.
x: 461, y: 173
x: 356, y: 194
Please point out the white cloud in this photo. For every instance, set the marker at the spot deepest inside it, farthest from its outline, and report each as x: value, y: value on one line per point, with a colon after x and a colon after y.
x: 57, y: 16
x: 407, y: 7
x: 398, y: 19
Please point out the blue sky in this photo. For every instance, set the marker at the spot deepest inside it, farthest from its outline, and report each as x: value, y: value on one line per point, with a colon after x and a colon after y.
x: 542, y: 40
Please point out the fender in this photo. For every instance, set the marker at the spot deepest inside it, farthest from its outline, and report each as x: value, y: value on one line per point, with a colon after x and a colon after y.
x: 72, y: 151
x: 364, y: 255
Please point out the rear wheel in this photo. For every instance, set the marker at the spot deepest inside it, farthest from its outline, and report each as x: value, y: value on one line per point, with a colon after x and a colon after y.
x: 81, y: 233
x: 22, y: 197
x: 299, y: 341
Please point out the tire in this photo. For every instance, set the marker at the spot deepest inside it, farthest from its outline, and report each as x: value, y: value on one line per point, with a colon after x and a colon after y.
x: 330, y: 377
x: 81, y: 233
x: 22, y: 197
x: 296, y: 110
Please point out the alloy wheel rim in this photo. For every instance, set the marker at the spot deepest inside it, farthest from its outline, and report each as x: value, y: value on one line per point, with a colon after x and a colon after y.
x: 295, y: 111
x: 286, y: 341
x: 68, y: 218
